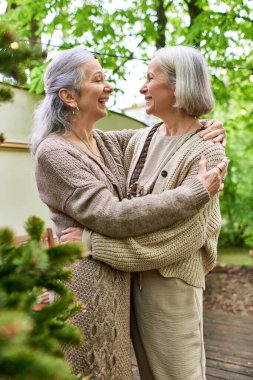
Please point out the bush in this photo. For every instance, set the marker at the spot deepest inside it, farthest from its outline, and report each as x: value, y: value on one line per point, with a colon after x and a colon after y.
x: 29, y: 339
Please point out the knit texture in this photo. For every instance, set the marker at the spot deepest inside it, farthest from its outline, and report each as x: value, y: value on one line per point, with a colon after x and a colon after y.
x: 188, y: 249
x: 79, y: 192
x: 104, y: 354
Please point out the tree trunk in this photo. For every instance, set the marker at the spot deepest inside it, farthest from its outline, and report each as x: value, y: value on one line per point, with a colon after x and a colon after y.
x: 194, y: 11
x: 34, y: 28
x: 161, y: 24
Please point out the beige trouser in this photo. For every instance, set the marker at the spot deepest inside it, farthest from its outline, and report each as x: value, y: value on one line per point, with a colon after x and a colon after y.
x: 167, y: 328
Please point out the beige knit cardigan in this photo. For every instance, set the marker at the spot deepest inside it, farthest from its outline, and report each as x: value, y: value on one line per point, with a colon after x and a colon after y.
x: 188, y: 248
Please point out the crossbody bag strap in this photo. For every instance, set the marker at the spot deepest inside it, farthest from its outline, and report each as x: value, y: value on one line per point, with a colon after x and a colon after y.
x: 132, y: 190
x: 142, y: 158
x: 135, y: 188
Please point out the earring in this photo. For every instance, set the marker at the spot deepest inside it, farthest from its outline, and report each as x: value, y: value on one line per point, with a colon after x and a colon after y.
x: 75, y: 111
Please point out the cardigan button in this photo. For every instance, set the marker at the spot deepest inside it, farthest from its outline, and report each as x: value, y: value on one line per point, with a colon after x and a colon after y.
x: 164, y: 173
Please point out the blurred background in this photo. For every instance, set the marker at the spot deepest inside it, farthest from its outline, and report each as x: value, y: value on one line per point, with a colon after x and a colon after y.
x: 125, y: 34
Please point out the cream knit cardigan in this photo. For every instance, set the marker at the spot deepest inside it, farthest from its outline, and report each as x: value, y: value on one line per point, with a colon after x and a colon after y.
x: 187, y: 249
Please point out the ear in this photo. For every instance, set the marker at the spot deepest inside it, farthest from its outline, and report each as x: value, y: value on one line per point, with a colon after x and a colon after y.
x: 68, y: 97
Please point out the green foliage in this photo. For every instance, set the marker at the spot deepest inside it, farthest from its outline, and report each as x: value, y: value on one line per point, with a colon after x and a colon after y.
x: 119, y: 31
x: 36, y: 84
x: 234, y: 256
x: 2, y: 137
x: 34, y: 226
x: 6, y: 93
x: 16, y: 57
x: 237, y: 199
x: 29, y: 339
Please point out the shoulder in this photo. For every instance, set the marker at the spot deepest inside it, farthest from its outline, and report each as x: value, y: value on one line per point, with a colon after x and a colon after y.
x: 209, y: 147
x: 214, y: 152
x: 119, y: 134
x: 58, y: 161
x: 140, y: 136
x: 108, y: 138
x: 54, y: 146
x: 117, y: 139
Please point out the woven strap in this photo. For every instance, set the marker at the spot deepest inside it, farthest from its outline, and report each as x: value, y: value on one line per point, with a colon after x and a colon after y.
x: 141, y: 161
x: 135, y: 188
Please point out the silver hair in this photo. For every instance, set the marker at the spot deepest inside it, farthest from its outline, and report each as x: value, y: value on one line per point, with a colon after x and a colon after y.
x: 64, y: 71
x: 188, y: 71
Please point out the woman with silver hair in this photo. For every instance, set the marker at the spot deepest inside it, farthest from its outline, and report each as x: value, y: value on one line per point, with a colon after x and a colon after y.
x: 81, y: 178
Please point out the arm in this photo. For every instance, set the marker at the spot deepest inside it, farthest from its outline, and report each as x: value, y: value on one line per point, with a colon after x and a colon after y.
x: 213, y: 129
x: 75, y: 191
x: 122, y: 137
x: 167, y: 246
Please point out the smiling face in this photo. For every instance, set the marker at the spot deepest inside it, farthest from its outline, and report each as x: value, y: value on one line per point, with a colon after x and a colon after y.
x: 158, y: 92
x: 94, y: 92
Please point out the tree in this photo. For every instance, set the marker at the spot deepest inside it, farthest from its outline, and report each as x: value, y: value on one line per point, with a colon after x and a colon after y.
x: 29, y: 339
x: 122, y: 31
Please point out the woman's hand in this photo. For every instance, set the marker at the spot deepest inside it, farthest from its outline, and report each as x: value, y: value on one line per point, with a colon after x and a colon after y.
x: 214, y: 130
x: 46, y: 297
x: 213, y: 178
x: 71, y: 235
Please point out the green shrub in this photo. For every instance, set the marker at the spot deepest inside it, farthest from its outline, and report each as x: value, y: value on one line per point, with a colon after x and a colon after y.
x: 29, y: 339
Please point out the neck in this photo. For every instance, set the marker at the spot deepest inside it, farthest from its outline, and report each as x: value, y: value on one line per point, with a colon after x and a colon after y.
x: 178, y: 124
x: 84, y: 130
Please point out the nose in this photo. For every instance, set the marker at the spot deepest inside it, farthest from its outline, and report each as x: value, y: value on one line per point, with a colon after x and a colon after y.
x: 108, y: 88
x: 143, y: 89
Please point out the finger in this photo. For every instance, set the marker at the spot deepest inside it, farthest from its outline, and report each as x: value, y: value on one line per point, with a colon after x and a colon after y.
x: 224, y: 172
x: 225, y: 163
x: 44, y: 296
x: 219, y: 138
x: 202, y: 165
x: 222, y: 167
x: 63, y: 240
x: 216, y: 124
x: 67, y: 230
x: 221, y: 186
x: 210, y: 134
x: 224, y: 142
x: 208, y: 123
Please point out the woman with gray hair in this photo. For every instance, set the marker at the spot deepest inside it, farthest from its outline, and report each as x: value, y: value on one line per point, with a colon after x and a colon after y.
x: 81, y: 178
x: 167, y: 318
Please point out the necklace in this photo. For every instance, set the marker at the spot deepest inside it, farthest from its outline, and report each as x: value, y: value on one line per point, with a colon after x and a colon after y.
x: 88, y: 146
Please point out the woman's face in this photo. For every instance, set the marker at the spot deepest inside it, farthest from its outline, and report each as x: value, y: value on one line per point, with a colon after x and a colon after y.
x: 94, y: 92
x: 158, y: 92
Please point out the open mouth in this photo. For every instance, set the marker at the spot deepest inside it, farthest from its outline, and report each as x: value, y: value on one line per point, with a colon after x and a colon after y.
x: 148, y: 98
x: 103, y: 100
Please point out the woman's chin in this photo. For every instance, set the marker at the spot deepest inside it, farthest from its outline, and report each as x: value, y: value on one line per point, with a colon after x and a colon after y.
x: 149, y: 111
x: 102, y: 114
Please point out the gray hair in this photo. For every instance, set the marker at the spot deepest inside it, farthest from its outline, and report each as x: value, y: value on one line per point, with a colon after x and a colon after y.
x: 64, y: 71
x: 188, y: 71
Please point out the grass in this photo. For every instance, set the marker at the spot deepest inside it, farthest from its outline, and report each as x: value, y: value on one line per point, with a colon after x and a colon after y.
x: 236, y: 256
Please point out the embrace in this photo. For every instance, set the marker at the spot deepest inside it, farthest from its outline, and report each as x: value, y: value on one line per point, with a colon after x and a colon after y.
x: 145, y: 203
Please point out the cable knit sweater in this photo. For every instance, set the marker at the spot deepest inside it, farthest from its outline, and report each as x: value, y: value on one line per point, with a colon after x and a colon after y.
x: 79, y: 192
x: 187, y: 249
